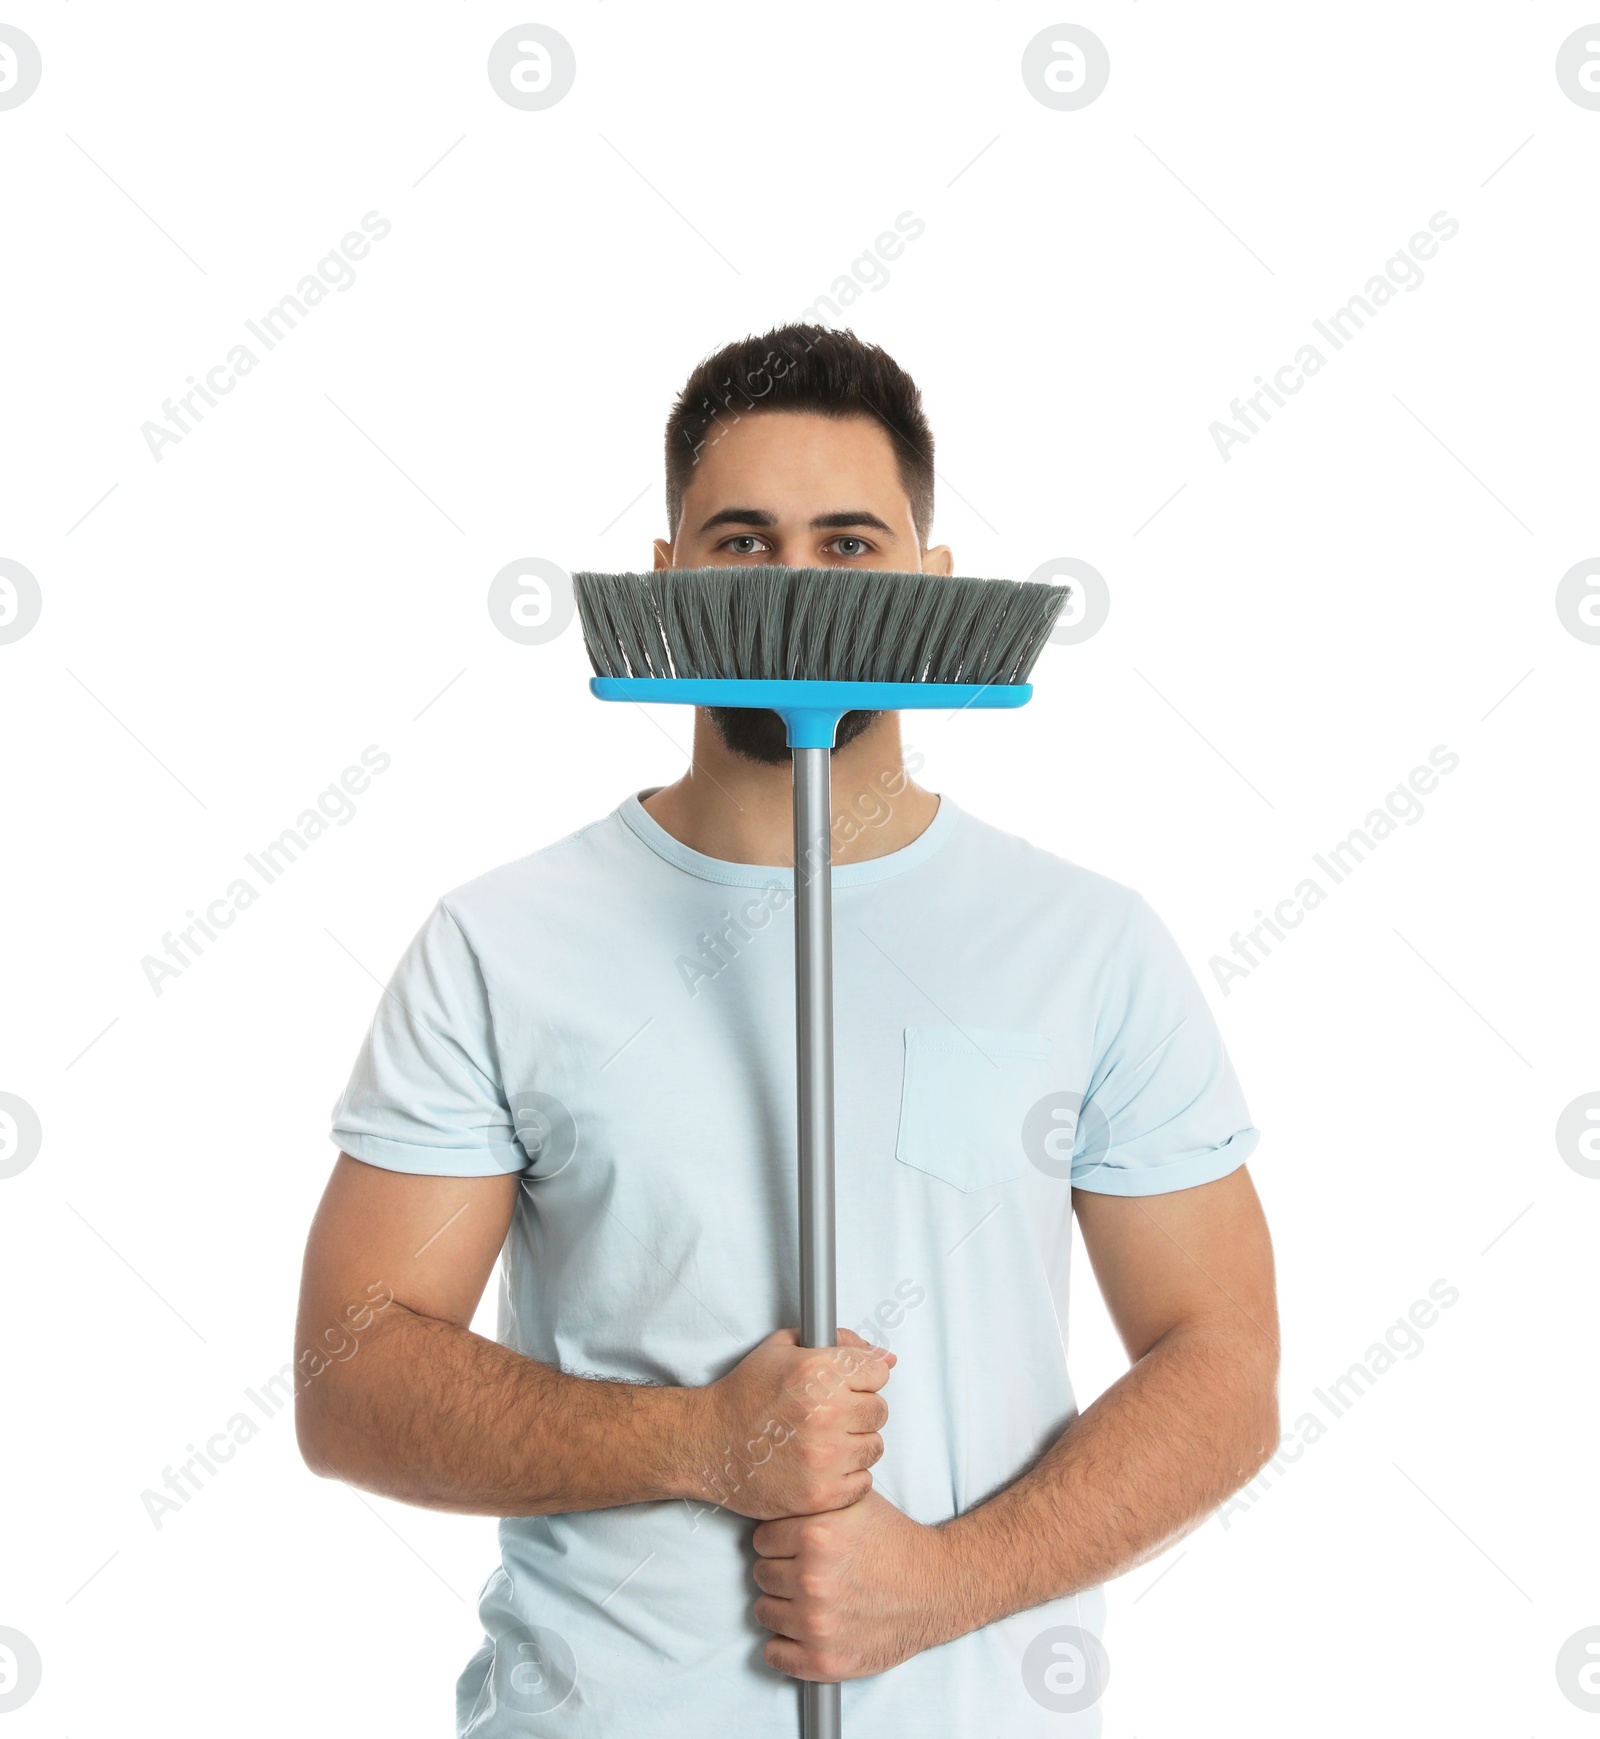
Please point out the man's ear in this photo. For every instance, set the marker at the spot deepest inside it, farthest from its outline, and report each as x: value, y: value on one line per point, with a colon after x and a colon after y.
x: 663, y: 551
x: 938, y: 560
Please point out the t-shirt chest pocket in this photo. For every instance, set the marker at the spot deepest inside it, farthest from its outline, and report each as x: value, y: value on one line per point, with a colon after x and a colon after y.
x: 966, y: 1094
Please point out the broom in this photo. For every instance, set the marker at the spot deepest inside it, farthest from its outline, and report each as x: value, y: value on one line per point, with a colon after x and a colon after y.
x: 812, y: 644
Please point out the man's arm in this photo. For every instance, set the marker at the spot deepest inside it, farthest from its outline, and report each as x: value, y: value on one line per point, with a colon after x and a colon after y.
x: 395, y: 1393
x: 1188, y: 1279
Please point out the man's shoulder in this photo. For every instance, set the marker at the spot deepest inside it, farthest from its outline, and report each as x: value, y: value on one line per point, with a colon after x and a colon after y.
x: 1105, y: 924
x: 1019, y: 868
x: 578, y: 861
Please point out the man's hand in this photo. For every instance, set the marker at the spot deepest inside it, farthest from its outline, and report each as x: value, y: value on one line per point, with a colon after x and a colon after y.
x: 852, y: 1592
x: 1187, y: 1276
x: 792, y: 1430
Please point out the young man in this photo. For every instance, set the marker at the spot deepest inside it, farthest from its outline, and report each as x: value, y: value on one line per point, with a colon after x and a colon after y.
x: 585, y: 1060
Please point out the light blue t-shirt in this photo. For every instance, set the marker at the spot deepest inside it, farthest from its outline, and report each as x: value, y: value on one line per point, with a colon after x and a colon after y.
x: 613, y: 1018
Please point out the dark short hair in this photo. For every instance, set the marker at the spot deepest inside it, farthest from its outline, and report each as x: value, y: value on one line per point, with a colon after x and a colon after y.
x: 821, y: 369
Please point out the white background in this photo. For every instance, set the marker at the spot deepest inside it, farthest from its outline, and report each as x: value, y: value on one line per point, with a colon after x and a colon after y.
x: 1291, y: 632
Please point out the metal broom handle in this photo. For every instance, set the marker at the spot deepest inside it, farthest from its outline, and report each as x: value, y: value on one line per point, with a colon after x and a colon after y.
x: 813, y: 978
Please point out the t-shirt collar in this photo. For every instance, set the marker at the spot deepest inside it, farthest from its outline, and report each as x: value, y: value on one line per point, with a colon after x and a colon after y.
x: 755, y: 875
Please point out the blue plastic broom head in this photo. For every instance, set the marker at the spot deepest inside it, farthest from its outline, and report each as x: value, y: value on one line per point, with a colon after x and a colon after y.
x: 812, y: 644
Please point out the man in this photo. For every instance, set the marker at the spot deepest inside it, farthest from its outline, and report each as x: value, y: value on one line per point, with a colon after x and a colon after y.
x: 585, y: 1058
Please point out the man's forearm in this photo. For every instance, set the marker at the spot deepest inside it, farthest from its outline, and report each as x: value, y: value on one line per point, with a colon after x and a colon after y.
x: 1190, y: 1423
x: 433, y: 1414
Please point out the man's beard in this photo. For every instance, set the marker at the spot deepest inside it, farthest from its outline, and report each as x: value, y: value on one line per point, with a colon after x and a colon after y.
x: 760, y: 736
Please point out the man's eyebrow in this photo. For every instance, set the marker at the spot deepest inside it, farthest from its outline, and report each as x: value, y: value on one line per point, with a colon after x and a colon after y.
x: 850, y: 516
x: 758, y: 516
x: 741, y: 516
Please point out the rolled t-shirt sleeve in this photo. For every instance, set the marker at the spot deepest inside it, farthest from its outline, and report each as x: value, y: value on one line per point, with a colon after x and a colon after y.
x: 1164, y: 1109
x: 425, y: 1094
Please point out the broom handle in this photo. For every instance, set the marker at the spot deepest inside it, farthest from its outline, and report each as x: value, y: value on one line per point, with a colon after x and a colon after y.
x: 813, y: 978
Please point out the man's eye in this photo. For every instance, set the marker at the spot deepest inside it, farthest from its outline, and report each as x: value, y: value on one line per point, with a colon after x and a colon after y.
x: 749, y: 539
x: 859, y: 543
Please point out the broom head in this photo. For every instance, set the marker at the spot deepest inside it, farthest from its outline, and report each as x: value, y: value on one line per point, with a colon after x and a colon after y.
x: 762, y: 623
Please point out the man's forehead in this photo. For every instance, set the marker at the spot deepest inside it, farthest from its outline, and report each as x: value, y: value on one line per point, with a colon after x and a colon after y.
x: 775, y: 457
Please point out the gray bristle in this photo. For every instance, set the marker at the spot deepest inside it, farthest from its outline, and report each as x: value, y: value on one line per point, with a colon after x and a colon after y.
x: 835, y: 624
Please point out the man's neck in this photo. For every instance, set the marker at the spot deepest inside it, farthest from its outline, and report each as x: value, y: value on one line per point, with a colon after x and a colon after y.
x: 743, y: 812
